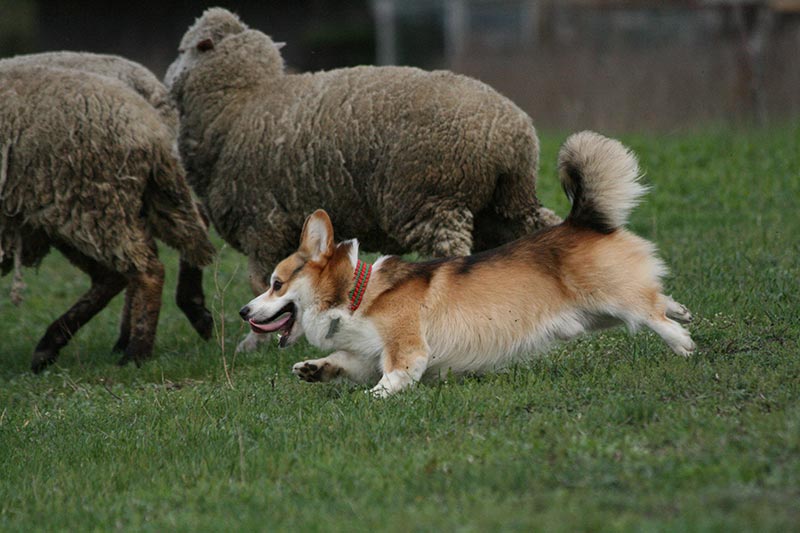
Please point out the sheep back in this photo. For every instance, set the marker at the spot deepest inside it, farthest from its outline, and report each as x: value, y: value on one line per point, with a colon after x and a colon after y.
x: 369, y: 144
x: 401, y: 158
x: 89, y: 162
x: 132, y: 74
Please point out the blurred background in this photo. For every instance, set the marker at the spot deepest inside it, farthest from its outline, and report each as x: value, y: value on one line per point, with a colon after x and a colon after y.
x: 613, y: 65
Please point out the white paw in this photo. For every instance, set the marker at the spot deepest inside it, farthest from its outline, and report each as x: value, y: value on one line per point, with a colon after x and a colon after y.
x: 686, y: 348
x: 681, y: 314
x: 379, y: 391
x: 391, y: 383
x: 678, y: 312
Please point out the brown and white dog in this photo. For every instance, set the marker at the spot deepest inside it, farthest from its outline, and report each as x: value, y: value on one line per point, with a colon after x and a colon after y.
x: 395, y: 321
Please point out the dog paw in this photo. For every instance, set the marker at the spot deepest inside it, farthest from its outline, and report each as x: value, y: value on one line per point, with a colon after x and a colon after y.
x: 681, y: 314
x: 685, y: 348
x: 379, y: 391
x: 678, y: 312
x: 309, y: 371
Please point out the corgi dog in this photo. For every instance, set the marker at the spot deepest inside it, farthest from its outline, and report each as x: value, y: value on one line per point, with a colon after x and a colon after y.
x: 395, y: 322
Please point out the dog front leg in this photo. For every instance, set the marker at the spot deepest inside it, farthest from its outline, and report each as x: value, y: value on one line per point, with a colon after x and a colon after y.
x: 401, y: 370
x: 341, y: 364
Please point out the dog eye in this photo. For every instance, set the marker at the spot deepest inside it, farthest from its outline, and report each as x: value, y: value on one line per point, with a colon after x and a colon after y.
x: 276, y: 285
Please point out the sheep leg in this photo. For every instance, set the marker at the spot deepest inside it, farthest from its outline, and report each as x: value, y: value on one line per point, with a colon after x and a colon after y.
x: 146, y: 287
x: 191, y: 300
x: 124, y: 324
x: 105, y: 285
x: 513, y: 212
x: 439, y: 228
x: 189, y: 294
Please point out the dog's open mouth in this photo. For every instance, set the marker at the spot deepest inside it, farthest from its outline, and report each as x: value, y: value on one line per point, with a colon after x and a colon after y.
x: 282, y: 322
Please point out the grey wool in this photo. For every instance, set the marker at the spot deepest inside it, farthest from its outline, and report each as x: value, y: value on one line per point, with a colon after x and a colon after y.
x: 130, y: 73
x: 88, y: 166
x: 402, y: 159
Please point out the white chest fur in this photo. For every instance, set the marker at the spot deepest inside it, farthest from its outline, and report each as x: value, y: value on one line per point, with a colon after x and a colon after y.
x: 338, y: 329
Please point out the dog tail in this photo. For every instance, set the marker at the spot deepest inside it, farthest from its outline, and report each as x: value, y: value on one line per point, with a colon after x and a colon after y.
x: 601, y: 179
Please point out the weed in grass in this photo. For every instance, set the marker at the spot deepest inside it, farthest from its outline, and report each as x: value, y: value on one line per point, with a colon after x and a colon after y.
x: 218, y: 309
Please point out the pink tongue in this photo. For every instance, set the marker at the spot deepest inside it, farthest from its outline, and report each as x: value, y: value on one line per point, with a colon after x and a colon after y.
x: 272, y: 326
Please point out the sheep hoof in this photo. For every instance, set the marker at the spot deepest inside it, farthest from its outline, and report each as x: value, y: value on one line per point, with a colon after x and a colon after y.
x: 120, y: 346
x: 204, y: 324
x: 135, y: 354
x: 42, y: 359
x: 127, y: 358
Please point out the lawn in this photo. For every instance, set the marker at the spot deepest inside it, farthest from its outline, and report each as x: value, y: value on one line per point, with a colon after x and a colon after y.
x: 609, y: 432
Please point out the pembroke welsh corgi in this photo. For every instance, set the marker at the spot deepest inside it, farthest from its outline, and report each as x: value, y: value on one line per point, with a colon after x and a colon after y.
x: 395, y: 321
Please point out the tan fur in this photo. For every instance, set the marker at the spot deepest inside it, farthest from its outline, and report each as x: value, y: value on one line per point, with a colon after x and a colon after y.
x: 480, y: 312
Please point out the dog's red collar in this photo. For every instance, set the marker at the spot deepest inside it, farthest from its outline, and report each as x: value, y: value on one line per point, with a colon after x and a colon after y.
x: 360, y: 279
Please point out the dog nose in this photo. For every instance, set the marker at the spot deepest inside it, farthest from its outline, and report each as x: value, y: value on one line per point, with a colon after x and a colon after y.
x: 243, y: 312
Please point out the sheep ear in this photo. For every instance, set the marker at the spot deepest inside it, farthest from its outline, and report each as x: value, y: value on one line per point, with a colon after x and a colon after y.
x: 279, y: 45
x: 316, y: 241
x: 205, y: 45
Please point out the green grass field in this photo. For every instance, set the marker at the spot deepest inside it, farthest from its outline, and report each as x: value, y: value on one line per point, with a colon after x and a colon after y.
x: 611, y: 432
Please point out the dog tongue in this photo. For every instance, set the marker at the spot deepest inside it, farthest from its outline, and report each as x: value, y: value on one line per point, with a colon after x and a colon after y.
x: 272, y: 326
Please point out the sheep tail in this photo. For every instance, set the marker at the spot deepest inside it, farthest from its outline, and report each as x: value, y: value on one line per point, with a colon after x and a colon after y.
x: 174, y: 216
x: 601, y: 178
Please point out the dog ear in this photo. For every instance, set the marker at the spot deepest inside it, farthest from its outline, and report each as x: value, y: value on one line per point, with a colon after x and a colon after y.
x: 316, y: 241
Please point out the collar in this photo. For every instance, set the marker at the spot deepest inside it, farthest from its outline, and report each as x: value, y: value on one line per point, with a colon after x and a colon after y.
x: 360, y: 279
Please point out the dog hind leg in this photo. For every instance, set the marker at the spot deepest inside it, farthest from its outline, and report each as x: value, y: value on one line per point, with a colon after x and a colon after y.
x: 659, y: 313
x: 673, y: 334
x: 659, y: 318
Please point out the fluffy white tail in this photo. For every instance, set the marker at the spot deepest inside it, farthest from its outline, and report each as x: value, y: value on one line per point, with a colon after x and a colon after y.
x: 601, y: 179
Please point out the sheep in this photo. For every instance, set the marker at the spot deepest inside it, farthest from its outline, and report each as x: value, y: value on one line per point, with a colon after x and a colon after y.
x: 403, y: 159
x: 189, y: 294
x: 132, y: 74
x: 88, y: 166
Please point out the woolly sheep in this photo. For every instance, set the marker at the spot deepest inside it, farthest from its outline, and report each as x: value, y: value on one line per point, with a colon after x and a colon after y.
x: 402, y: 159
x: 88, y: 166
x: 189, y: 294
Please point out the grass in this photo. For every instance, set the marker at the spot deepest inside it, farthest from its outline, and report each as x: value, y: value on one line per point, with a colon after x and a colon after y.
x: 610, y: 432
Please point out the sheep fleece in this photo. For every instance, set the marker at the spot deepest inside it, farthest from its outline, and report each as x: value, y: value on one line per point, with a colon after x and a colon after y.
x: 401, y: 158
x: 130, y: 73
x: 86, y: 160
